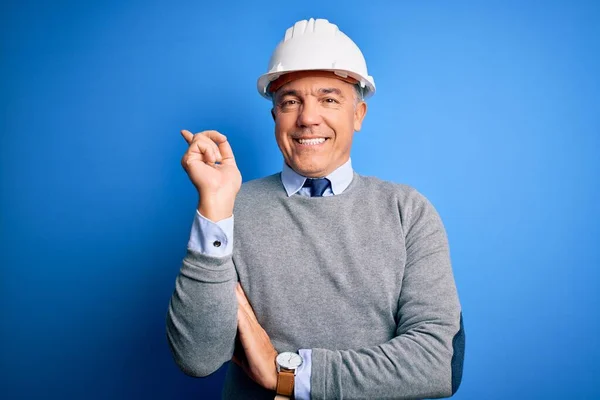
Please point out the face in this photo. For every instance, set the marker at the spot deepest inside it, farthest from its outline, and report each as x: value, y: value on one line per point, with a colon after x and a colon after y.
x: 315, y: 120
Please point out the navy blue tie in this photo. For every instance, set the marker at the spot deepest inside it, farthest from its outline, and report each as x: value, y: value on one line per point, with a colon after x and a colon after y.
x: 317, y: 186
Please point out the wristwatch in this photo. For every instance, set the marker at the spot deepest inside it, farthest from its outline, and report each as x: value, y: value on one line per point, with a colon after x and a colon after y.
x: 287, y: 366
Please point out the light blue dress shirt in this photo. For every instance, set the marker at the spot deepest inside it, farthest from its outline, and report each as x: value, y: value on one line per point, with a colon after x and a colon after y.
x: 216, y: 239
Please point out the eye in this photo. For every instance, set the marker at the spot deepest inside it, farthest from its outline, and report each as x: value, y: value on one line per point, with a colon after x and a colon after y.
x: 330, y: 100
x: 289, y: 104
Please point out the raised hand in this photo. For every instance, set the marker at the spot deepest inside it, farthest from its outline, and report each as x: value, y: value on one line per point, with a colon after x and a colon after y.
x: 210, y: 165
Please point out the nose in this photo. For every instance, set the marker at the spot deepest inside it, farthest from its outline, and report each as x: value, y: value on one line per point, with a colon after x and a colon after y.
x: 310, y: 114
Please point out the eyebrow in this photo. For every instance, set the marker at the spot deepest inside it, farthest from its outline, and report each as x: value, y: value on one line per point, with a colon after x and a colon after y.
x: 288, y: 93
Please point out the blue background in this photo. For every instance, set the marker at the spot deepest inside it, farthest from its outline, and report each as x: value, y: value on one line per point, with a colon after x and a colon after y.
x: 490, y: 109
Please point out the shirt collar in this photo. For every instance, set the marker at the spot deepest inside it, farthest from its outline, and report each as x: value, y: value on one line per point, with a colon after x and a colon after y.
x: 340, y: 178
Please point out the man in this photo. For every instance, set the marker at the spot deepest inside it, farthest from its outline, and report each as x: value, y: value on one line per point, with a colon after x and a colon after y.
x: 332, y: 284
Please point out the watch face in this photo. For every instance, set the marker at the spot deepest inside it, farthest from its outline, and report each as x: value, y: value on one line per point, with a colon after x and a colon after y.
x: 289, y: 360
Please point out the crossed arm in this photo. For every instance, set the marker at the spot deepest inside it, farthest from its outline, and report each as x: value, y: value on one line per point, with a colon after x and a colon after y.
x: 208, y: 310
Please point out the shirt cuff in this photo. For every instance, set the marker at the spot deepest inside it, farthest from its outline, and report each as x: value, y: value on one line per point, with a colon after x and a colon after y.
x: 211, y: 238
x: 302, y: 381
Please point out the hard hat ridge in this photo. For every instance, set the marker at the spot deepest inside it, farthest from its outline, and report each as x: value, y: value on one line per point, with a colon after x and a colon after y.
x: 310, y: 26
x: 317, y: 44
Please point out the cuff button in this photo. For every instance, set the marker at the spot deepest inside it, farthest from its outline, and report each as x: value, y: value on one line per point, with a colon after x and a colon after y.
x: 217, y: 243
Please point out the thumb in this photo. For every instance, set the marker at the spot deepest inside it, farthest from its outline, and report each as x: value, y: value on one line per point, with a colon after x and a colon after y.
x: 226, y: 153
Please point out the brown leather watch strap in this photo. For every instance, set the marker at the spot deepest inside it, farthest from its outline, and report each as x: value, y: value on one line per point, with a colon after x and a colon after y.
x: 285, y: 383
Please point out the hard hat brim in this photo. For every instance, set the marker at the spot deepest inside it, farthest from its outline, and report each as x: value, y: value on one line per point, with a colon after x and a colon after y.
x: 265, y: 80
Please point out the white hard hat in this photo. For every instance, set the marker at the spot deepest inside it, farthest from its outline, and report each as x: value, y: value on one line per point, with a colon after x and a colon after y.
x: 317, y: 45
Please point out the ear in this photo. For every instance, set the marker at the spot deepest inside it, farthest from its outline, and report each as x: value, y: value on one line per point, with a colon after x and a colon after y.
x: 359, y: 115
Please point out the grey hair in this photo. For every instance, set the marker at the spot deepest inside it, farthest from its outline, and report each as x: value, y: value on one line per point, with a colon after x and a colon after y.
x: 359, y: 94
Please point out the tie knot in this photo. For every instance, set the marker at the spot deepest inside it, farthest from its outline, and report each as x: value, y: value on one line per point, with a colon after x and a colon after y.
x: 317, y: 186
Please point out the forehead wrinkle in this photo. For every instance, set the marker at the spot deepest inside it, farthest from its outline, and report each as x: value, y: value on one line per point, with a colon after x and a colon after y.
x: 331, y: 90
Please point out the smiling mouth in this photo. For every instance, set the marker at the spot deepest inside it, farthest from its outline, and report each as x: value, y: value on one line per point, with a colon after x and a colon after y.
x: 311, y: 142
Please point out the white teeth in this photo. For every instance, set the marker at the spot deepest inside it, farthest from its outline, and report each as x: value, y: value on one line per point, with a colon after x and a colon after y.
x: 311, y: 141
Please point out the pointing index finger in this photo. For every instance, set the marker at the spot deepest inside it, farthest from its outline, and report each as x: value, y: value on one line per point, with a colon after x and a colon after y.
x: 187, y: 135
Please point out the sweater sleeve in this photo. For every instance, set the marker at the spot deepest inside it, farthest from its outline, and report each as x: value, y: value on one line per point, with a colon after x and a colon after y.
x: 424, y: 359
x: 202, y: 314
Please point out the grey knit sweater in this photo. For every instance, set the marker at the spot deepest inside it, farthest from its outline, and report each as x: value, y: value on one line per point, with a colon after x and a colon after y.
x: 362, y: 278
